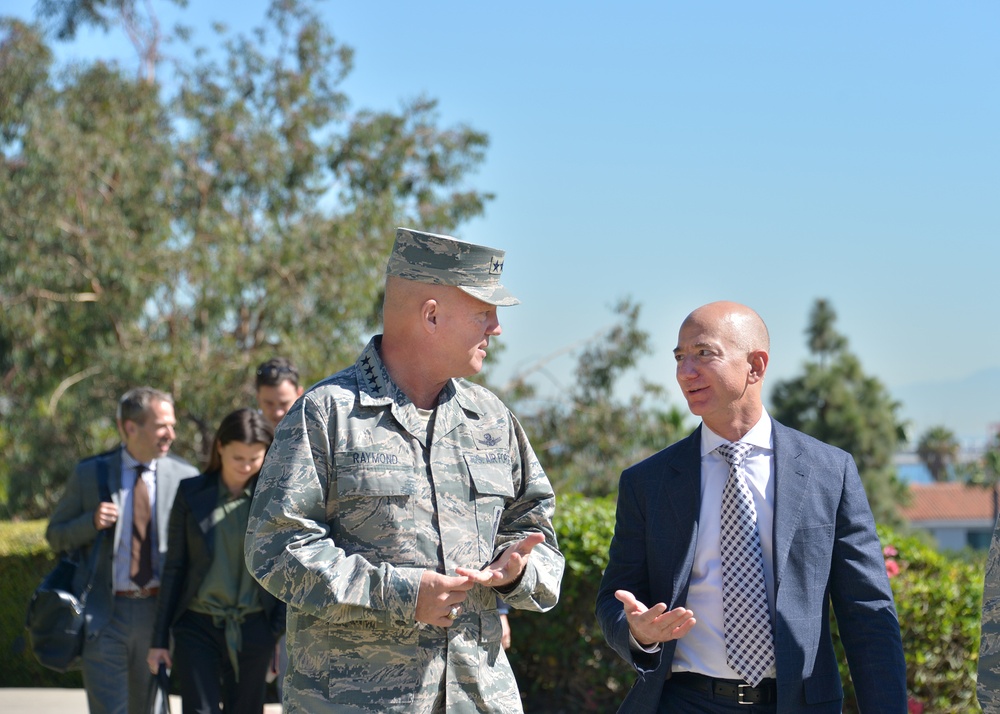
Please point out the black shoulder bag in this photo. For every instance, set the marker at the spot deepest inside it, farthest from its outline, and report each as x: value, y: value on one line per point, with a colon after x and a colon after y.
x: 56, y: 621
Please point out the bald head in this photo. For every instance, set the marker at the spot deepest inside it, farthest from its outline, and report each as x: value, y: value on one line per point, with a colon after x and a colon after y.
x: 722, y: 355
x: 742, y: 326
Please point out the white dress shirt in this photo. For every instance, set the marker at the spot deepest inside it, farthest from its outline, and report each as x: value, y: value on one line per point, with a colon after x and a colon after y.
x: 703, y: 650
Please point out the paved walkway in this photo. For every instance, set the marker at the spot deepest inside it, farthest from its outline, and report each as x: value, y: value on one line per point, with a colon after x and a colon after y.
x: 68, y: 701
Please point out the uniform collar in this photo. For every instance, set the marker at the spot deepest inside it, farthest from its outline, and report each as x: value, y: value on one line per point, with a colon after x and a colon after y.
x: 376, y: 388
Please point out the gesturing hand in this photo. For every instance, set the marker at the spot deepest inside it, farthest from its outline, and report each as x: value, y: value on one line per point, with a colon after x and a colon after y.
x: 441, y: 596
x: 650, y: 625
x: 508, y: 567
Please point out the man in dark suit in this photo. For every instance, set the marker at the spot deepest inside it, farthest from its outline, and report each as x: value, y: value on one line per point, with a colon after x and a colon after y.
x: 142, y: 480
x: 730, y: 546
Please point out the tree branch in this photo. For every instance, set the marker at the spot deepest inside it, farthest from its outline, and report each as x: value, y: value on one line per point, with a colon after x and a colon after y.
x: 67, y: 383
x: 43, y: 294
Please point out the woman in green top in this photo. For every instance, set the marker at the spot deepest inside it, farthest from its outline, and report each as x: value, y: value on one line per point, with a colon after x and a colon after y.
x: 224, y: 625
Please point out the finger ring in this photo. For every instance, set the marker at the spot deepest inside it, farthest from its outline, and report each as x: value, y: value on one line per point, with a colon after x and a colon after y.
x: 453, y: 612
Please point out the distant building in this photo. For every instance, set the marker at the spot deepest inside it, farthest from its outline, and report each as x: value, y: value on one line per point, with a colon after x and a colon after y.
x: 957, y: 515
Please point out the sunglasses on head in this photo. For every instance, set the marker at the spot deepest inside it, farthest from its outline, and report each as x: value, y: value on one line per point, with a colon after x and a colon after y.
x: 273, y: 372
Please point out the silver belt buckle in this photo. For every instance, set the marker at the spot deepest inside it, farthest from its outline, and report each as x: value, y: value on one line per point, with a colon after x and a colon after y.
x: 739, y: 693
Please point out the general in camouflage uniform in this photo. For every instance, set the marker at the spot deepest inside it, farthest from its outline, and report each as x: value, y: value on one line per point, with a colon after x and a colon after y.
x: 988, y: 681
x: 363, y: 493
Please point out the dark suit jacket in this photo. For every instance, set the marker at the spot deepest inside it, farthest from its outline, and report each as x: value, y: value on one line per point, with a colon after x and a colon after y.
x: 189, y: 556
x: 826, y: 551
x: 72, y: 524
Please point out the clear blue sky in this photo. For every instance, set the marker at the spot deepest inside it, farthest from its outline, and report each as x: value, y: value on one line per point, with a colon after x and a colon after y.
x: 678, y: 153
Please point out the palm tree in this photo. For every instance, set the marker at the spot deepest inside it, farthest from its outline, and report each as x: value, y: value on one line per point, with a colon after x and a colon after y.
x: 938, y: 450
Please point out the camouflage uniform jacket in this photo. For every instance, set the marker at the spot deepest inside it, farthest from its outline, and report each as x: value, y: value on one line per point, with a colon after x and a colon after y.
x: 988, y: 680
x: 352, y: 506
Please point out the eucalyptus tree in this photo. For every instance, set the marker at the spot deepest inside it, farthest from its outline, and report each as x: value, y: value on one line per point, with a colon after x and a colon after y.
x: 179, y: 224
x: 836, y: 402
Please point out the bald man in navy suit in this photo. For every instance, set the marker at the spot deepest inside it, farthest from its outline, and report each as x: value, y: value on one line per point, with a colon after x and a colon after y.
x: 661, y: 603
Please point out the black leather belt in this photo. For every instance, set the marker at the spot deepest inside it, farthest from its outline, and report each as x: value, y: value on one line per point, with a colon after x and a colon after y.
x: 732, y: 689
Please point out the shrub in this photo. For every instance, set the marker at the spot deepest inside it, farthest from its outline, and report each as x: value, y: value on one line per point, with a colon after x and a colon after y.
x: 560, y: 658
x: 25, y: 558
x: 939, y: 603
x: 563, y: 664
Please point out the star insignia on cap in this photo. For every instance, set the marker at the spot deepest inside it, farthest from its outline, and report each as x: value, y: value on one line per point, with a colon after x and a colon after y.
x: 496, y: 266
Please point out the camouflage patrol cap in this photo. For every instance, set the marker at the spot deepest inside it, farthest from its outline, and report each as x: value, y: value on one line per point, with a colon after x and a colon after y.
x: 443, y: 260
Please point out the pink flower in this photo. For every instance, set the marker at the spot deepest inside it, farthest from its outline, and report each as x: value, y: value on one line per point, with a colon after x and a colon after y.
x: 889, y: 551
x: 914, y: 707
x: 892, y: 570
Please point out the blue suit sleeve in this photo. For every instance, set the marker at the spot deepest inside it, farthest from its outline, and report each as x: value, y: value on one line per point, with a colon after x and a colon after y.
x: 863, y: 603
x: 627, y: 570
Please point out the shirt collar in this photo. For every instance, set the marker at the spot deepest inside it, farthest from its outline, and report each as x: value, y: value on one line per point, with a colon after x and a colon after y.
x: 131, y: 463
x: 246, y: 492
x: 759, y: 436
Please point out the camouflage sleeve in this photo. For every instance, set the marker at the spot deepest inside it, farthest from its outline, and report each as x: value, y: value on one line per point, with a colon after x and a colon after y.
x: 988, y: 684
x: 289, y: 548
x: 531, y: 512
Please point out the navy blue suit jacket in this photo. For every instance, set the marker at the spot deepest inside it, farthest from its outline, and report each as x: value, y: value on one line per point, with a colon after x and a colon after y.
x: 826, y: 551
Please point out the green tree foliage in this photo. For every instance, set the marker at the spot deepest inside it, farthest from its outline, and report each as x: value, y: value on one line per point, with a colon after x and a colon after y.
x: 587, y: 436
x: 83, y: 234
x: 179, y: 234
x: 836, y: 402
x: 823, y: 339
x: 938, y: 451
x: 70, y: 15
x: 986, y: 469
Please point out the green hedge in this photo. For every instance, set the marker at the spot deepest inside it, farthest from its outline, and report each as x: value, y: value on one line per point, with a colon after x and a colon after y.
x: 560, y: 658
x: 939, y: 602
x: 25, y: 558
x: 563, y: 664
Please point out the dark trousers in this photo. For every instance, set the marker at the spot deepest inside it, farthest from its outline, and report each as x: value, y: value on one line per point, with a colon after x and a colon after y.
x: 683, y: 700
x: 205, y: 673
x: 115, y: 673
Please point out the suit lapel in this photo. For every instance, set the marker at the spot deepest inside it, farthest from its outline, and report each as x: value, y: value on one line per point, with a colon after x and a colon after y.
x: 163, y: 500
x: 681, y: 493
x: 202, y: 505
x: 115, y: 489
x: 791, y: 486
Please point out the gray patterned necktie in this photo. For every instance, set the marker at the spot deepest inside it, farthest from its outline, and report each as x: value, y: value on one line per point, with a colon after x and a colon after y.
x: 749, y: 641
